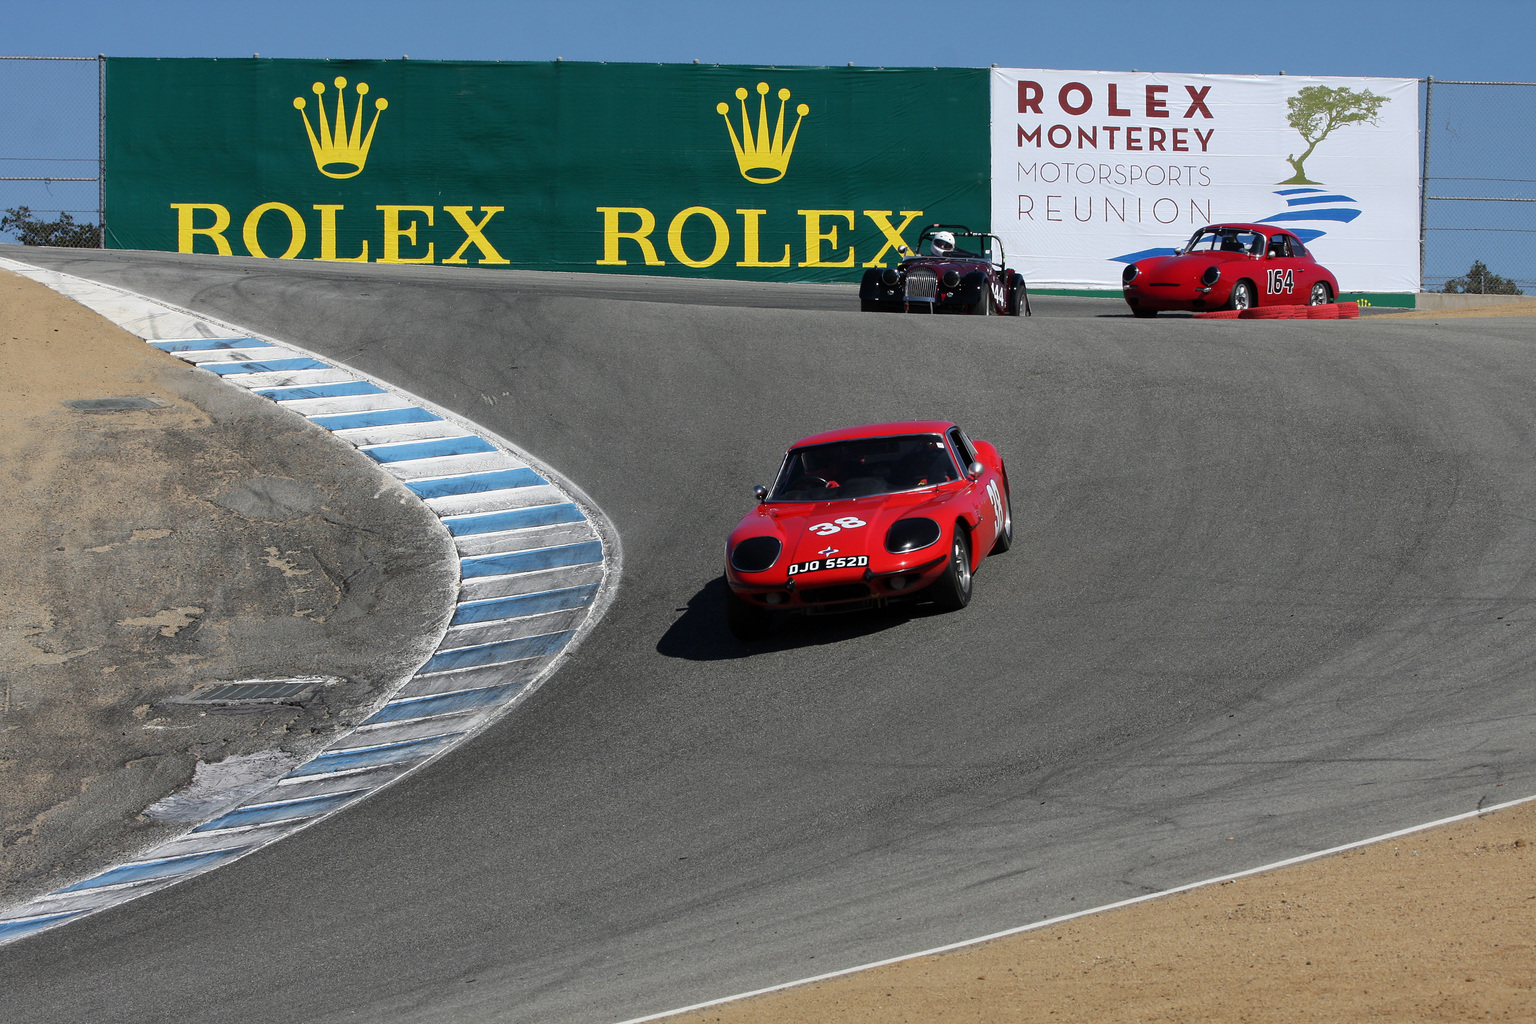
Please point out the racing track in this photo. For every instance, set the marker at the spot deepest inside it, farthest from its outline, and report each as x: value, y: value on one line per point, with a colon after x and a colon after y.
x: 1272, y: 581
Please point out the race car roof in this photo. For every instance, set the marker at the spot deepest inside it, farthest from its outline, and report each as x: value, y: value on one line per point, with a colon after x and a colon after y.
x: 876, y: 430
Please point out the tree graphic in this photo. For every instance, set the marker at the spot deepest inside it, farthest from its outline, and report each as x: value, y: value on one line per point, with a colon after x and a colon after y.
x: 1317, y: 110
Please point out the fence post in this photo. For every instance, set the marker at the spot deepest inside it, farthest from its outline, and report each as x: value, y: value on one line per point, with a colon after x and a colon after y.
x: 102, y: 151
x: 1429, y: 92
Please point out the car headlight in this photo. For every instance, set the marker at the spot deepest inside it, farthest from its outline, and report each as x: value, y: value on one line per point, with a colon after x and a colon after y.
x: 891, y: 277
x: 911, y: 535
x: 1129, y: 275
x: 951, y: 279
x: 755, y: 554
x: 1211, y: 276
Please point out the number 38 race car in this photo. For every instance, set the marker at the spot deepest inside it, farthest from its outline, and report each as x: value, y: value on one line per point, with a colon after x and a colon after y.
x: 1230, y: 266
x: 955, y: 270
x: 867, y: 516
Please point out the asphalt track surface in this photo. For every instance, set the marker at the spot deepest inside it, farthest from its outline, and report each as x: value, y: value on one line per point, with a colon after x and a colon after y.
x: 1271, y: 592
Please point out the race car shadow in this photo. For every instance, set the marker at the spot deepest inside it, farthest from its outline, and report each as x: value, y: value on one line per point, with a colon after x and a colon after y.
x: 701, y: 633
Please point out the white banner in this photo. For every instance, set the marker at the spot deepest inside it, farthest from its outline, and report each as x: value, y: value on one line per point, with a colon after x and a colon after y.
x: 1094, y: 169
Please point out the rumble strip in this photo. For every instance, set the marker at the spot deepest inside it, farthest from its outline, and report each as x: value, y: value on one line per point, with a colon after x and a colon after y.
x: 538, y: 564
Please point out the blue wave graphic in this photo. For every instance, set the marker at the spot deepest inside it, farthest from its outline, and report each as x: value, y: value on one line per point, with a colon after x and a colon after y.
x: 1145, y: 254
x: 1304, y: 205
x: 1339, y: 213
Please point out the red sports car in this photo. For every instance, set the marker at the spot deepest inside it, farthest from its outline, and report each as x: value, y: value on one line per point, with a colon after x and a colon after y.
x: 866, y: 516
x: 1230, y: 266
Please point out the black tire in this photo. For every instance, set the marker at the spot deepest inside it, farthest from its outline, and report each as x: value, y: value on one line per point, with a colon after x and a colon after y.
x: 1005, y: 535
x: 952, y: 591
x: 747, y: 621
x: 1242, y: 296
x: 1144, y: 314
x: 983, y: 306
x: 868, y: 306
x: 1320, y: 296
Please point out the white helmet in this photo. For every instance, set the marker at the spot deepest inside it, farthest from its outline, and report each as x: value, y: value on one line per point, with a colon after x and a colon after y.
x: 943, y: 242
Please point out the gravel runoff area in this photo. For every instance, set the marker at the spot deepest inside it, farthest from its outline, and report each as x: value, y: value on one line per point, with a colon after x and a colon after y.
x: 1439, y: 925
x: 191, y: 535
x: 208, y: 538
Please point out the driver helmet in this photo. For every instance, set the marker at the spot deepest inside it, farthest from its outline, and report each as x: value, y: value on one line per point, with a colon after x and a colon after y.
x: 943, y: 243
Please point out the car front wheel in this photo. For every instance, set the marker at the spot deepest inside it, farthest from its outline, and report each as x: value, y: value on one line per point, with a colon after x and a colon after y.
x: 1242, y: 296
x: 952, y: 591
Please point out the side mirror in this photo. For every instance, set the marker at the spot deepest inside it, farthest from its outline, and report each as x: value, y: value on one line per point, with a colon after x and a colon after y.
x: 975, y: 469
x: 760, y: 493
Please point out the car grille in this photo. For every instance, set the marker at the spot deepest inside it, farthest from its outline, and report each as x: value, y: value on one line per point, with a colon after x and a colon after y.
x: 922, y: 286
x: 845, y: 592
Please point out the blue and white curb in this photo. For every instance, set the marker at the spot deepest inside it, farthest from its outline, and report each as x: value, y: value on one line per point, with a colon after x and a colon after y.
x: 538, y: 564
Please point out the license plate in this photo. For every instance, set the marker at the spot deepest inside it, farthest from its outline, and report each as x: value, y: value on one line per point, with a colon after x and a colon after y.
x: 823, y: 564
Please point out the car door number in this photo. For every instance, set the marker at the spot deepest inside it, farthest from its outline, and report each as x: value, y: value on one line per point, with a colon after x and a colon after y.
x: 836, y: 526
x: 1281, y: 281
x: 997, y: 501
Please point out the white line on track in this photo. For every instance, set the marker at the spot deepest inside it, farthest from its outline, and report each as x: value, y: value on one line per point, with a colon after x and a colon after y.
x: 964, y: 943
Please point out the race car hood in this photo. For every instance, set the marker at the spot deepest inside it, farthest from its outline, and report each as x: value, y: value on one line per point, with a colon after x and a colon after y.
x: 1184, y: 269
x: 805, y: 528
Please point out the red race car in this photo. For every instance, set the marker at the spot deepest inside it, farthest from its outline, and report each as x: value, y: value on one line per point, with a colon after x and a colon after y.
x: 866, y: 516
x: 1230, y: 266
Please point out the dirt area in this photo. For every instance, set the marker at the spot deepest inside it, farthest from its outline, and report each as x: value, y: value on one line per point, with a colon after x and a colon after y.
x: 210, y: 537
x: 1503, y: 309
x: 1436, y: 926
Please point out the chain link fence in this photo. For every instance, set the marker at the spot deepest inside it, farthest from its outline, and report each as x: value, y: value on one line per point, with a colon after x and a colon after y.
x: 50, y: 143
x: 1477, y: 201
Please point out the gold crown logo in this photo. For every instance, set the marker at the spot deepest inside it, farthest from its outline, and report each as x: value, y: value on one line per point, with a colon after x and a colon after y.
x: 762, y: 152
x: 345, y: 152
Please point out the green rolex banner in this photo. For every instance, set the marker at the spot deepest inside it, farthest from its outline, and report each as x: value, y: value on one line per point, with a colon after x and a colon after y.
x: 720, y: 171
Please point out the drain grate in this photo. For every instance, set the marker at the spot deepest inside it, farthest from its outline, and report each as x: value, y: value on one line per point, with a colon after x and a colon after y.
x: 258, y: 691
x: 114, y: 404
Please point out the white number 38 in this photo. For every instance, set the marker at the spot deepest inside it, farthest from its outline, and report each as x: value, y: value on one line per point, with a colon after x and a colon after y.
x: 842, y: 523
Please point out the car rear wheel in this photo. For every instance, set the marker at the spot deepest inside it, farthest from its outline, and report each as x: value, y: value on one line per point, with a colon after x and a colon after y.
x: 1320, y: 295
x: 1242, y: 296
x: 1005, y: 533
x: 952, y: 591
x: 747, y: 621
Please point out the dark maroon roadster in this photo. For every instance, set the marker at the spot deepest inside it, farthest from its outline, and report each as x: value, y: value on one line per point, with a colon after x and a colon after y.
x: 955, y: 270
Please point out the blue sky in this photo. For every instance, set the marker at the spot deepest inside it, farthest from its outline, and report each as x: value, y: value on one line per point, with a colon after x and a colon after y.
x: 1407, y: 38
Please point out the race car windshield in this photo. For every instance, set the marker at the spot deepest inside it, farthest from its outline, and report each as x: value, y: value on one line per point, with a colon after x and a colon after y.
x: 1227, y: 240
x: 967, y: 247
x: 868, y: 466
